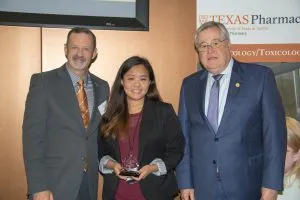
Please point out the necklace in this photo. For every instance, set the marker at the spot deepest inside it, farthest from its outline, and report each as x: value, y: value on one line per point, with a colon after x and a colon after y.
x: 134, y: 134
x: 130, y: 162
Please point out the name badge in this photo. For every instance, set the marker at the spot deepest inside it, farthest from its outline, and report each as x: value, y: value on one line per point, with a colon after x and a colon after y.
x: 102, y: 107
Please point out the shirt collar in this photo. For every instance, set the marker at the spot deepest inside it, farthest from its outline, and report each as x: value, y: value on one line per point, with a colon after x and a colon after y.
x: 76, y: 78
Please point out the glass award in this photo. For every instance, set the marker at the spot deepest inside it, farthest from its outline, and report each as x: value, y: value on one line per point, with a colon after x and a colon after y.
x: 130, y: 168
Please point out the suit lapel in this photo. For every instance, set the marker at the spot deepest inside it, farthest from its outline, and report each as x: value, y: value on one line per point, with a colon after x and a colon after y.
x: 95, y: 117
x: 67, y: 94
x: 67, y: 90
x: 235, y: 84
x: 200, y: 89
x: 144, y: 128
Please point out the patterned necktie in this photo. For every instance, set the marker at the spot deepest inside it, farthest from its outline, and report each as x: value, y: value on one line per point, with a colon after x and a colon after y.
x: 213, y: 106
x: 83, y: 104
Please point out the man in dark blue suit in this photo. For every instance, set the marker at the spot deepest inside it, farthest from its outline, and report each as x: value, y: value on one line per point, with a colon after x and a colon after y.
x: 233, y: 121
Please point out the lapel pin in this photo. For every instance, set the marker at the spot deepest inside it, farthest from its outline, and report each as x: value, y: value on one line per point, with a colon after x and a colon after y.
x: 237, y: 85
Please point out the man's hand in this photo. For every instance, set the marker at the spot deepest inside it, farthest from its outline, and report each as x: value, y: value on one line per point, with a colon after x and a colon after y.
x: 187, y: 194
x: 268, y: 194
x: 44, y: 195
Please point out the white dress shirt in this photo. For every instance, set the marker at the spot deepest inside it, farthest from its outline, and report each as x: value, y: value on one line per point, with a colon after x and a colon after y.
x: 223, y: 90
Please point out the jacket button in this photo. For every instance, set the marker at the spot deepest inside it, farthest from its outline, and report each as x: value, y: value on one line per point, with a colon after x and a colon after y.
x: 214, y: 162
x: 216, y: 139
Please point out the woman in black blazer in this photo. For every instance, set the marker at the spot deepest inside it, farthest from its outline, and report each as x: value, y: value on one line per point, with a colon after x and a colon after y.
x: 141, y: 139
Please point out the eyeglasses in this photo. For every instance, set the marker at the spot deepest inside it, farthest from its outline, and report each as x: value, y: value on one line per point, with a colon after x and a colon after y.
x: 213, y: 44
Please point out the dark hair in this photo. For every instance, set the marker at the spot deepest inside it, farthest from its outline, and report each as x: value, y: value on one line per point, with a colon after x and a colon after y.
x: 82, y: 30
x: 116, y: 115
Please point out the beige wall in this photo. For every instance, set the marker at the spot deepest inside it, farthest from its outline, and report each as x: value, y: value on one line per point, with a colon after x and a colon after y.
x: 20, y: 57
x: 23, y: 50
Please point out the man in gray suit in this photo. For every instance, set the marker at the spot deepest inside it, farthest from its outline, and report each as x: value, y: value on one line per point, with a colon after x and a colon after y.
x: 59, y: 147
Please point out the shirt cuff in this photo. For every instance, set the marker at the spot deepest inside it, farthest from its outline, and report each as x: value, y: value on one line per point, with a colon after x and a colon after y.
x: 102, y: 165
x: 162, y: 170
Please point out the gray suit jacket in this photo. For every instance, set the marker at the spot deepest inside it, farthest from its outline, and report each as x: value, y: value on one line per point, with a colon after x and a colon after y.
x: 55, y: 142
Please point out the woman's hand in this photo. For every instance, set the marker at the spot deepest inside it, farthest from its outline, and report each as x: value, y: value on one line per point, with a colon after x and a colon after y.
x: 145, y: 171
x: 116, y: 167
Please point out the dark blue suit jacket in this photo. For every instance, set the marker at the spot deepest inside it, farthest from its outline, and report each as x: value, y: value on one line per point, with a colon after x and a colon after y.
x: 250, y: 145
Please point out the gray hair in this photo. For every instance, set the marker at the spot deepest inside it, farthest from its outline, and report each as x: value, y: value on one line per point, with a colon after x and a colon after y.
x: 207, y: 25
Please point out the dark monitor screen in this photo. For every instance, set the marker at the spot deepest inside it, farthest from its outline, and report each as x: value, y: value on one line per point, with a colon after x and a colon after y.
x: 96, y: 14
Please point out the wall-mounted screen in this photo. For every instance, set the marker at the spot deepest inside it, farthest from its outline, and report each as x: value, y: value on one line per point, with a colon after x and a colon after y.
x: 96, y: 14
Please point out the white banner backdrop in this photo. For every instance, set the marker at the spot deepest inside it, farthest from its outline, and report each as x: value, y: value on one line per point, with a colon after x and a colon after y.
x: 262, y: 30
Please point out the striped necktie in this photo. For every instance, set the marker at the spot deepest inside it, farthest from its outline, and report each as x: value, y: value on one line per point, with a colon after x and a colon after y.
x: 83, y: 104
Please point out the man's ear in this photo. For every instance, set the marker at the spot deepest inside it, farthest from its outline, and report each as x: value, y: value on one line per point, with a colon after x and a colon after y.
x: 121, y: 82
x: 95, y: 53
x: 66, y: 49
x: 228, y: 43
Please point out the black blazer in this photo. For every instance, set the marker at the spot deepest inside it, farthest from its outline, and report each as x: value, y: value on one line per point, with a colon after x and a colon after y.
x: 160, y: 137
